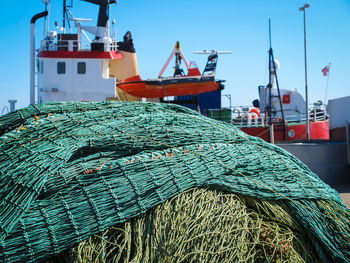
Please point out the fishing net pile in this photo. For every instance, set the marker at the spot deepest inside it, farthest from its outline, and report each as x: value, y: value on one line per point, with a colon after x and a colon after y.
x: 143, y: 182
x: 201, y: 225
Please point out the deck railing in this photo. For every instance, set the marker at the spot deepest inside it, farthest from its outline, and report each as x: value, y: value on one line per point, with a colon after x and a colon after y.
x: 243, y: 117
x: 73, y: 45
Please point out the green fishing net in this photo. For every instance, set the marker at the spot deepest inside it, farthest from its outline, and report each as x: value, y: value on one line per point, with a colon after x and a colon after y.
x: 72, y: 170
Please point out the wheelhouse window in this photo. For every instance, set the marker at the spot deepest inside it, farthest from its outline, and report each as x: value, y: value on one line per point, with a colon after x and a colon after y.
x: 41, y: 66
x: 81, y: 68
x: 61, y: 68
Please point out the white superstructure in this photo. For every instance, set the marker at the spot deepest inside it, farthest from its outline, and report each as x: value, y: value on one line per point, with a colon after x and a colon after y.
x: 72, y: 79
x: 293, y: 102
x: 68, y: 72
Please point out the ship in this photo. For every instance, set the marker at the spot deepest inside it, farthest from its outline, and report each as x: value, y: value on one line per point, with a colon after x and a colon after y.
x: 63, y: 61
x: 278, y: 115
x: 106, y: 69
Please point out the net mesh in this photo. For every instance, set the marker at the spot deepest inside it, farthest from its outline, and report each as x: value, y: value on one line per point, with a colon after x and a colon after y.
x: 225, y: 227
x: 71, y: 170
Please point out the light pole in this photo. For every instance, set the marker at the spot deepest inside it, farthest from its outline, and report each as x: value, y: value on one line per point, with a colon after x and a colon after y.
x: 306, y: 88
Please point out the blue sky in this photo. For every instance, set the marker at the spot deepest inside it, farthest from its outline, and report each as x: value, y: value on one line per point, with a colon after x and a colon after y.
x: 237, y: 25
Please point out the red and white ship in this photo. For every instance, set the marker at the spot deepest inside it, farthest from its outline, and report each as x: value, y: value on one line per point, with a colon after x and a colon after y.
x: 70, y: 71
x: 107, y: 69
x: 285, y: 119
x: 281, y: 115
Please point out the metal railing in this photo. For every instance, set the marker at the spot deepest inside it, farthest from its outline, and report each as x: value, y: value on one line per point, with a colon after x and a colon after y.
x: 243, y: 117
x: 67, y: 45
x: 73, y: 45
x: 113, y: 46
x: 250, y: 120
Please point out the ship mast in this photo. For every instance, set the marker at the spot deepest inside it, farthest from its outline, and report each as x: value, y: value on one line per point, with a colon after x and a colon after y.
x: 65, y: 12
x: 273, y: 74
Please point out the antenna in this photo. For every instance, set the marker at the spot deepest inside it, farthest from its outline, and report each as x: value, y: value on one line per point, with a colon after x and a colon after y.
x: 78, y: 25
x: 46, y: 3
x: 212, y: 60
x: 212, y: 52
x: 270, y: 33
x: 114, y: 29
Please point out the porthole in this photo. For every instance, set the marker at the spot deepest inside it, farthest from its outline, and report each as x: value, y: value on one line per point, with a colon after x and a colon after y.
x: 291, y: 133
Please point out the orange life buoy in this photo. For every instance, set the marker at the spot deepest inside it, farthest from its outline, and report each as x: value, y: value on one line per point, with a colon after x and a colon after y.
x: 256, y: 111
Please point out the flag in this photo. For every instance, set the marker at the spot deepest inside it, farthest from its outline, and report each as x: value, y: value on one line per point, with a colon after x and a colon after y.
x: 325, y: 70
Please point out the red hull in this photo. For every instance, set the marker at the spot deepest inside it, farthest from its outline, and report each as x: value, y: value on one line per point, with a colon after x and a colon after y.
x: 318, y: 131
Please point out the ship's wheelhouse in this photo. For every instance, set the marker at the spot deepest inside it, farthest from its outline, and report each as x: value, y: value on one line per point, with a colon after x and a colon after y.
x: 85, y: 65
x: 73, y: 77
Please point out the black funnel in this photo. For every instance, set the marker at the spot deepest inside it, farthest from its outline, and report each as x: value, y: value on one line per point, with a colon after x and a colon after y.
x: 103, y: 14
